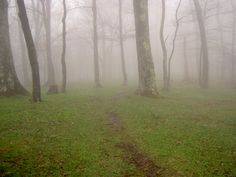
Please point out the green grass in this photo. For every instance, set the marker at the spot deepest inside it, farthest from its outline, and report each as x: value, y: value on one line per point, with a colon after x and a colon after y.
x: 191, y: 132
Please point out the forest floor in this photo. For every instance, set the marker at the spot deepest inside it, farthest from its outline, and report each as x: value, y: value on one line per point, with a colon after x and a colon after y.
x: 112, y: 132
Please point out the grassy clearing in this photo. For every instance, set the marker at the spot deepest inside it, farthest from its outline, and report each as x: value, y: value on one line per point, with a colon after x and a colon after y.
x: 191, y: 132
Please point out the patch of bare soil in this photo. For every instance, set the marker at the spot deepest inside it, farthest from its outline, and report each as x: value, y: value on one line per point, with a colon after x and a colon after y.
x: 140, y: 160
x: 131, y: 153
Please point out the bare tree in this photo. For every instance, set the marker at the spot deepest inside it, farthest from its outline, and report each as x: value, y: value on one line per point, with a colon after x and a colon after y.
x: 125, y: 80
x: 147, y: 78
x: 46, y: 8
x: 222, y: 43
x: 63, y: 55
x: 31, y: 51
x: 23, y: 50
x: 163, y: 45
x: 95, y: 46
x: 9, y: 82
x: 167, y: 60
x: 177, y: 20
x: 205, y: 60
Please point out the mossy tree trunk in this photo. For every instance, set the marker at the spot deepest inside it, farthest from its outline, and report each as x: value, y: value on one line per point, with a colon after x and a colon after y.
x: 9, y: 82
x: 147, y: 80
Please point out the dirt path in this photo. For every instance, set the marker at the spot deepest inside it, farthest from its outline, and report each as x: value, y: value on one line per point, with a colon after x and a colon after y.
x: 131, y: 153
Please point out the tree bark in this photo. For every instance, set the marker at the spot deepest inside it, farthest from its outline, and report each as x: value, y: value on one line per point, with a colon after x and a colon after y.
x: 166, y: 60
x: 177, y: 20
x: 63, y: 56
x: 125, y: 80
x: 9, y: 82
x: 31, y: 51
x: 26, y: 79
x: 51, y: 82
x: 205, y: 60
x: 95, y: 46
x: 198, y: 52
x: 147, y: 80
x: 163, y: 45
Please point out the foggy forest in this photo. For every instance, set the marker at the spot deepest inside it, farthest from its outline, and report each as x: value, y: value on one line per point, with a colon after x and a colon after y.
x: 118, y: 88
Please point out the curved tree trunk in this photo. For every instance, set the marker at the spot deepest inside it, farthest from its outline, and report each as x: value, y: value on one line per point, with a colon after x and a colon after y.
x: 177, y: 20
x: 31, y: 51
x: 26, y: 79
x: 125, y: 80
x: 63, y: 57
x: 205, y: 60
x: 9, y: 82
x: 147, y: 80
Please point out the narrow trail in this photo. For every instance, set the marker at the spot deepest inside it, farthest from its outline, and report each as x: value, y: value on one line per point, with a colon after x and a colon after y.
x: 131, y: 153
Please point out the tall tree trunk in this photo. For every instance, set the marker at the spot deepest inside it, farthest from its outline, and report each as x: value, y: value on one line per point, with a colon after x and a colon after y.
x: 186, y: 70
x: 163, y: 45
x: 205, y: 60
x: 177, y: 20
x: 125, y: 80
x: 221, y: 32
x: 9, y: 82
x: 104, y: 59
x: 46, y: 7
x: 198, y: 52
x: 63, y: 56
x: 233, y: 55
x: 31, y: 51
x: 147, y: 80
x: 95, y: 46
x: 26, y: 79
x: 51, y: 72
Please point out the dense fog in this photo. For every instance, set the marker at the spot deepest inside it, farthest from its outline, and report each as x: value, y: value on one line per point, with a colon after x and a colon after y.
x: 218, y: 16
x: 118, y: 88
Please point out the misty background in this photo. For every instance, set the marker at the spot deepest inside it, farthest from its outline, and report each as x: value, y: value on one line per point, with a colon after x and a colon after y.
x: 218, y: 15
